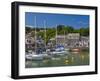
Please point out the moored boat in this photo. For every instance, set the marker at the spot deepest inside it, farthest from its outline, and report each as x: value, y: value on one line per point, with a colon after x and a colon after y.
x: 59, y: 50
x: 75, y: 50
x: 33, y: 56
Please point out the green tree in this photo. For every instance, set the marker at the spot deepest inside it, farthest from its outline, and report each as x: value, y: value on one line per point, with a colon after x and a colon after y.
x: 60, y: 27
x: 28, y: 29
x: 70, y: 29
x: 84, y: 31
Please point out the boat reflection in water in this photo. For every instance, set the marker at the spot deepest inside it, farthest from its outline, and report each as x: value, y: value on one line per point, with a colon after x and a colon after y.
x: 41, y: 54
x: 57, y: 57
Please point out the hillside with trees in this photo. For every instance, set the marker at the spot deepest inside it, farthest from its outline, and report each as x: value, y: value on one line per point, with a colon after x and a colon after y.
x: 61, y: 30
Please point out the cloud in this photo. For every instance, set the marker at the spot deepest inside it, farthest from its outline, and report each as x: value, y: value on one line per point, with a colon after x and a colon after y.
x: 29, y: 26
x: 83, y: 23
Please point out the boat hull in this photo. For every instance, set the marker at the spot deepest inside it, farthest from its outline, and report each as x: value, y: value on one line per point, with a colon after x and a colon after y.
x: 59, y: 53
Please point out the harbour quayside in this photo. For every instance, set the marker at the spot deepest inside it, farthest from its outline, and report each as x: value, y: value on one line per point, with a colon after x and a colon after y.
x: 39, y: 48
x: 54, y: 46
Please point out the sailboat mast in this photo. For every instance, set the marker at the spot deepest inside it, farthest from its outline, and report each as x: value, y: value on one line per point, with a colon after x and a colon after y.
x: 45, y: 32
x: 64, y: 37
x: 56, y: 34
x: 35, y: 32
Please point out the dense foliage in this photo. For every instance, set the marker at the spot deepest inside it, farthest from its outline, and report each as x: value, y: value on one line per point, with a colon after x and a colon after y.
x: 61, y: 30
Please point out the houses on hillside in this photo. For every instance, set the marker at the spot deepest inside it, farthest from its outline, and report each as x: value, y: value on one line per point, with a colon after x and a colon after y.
x: 71, y: 40
x: 29, y: 42
x: 34, y: 43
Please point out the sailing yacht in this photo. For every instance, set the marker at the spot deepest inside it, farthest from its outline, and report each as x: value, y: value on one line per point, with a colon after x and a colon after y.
x: 60, y: 49
x: 33, y: 56
x: 37, y: 54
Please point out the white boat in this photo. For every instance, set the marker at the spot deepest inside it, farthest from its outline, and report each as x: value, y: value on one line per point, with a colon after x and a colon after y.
x: 28, y: 56
x: 37, y: 57
x: 33, y: 56
x: 67, y: 49
x: 59, y: 51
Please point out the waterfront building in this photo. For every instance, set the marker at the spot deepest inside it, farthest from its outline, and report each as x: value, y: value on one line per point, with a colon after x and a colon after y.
x: 72, y: 40
x: 60, y: 39
x: 29, y: 42
x: 75, y: 36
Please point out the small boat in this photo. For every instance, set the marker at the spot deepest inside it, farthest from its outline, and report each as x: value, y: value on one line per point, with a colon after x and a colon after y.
x: 67, y: 49
x: 28, y: 56
x: 37, y: 57
x: 59, y: 50
x: 33, y: 56
x: 75, y: 50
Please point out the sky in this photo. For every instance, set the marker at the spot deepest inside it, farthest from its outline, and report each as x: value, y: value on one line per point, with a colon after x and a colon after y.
x: 51, y: 20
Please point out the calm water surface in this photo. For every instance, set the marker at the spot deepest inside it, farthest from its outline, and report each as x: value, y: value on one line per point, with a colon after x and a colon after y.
x: 70, y: 59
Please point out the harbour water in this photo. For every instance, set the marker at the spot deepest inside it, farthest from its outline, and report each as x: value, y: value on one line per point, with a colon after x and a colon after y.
x: 70, y: 59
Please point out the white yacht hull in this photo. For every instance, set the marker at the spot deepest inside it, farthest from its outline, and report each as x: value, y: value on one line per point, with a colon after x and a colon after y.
x: 59, y: 53
x: 36, y: 56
